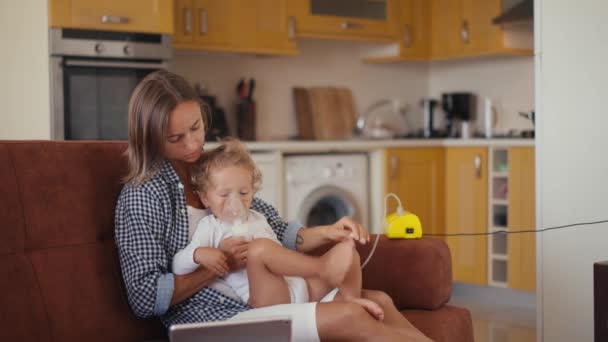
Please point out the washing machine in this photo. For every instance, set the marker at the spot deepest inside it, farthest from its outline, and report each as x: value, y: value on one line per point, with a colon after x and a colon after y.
x: 320, y: 189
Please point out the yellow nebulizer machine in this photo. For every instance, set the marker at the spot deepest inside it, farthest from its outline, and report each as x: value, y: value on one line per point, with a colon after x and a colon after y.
x: 401, y: 224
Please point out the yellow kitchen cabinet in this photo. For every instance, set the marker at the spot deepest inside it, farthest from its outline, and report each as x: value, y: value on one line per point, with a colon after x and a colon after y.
x: 113, y: 15
x: 467, y: 212
x: 244, y: 26
x: 415, y: 29
x: 203, y: 23
x: 346, y: 19
x: 521, y: 216
x: 463, y: 28
x: 417, y: 176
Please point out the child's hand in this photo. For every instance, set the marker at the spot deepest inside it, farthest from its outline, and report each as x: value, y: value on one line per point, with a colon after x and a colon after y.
x: 212, y: 258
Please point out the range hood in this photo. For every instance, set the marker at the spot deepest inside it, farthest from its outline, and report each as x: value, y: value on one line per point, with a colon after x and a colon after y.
x: 523, y: 11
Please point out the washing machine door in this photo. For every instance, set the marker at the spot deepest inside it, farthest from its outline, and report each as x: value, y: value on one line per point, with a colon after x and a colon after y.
x: 326, y: 205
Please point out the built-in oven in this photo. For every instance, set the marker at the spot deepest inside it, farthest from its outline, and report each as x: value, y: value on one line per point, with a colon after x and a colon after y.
x: 92, y: 76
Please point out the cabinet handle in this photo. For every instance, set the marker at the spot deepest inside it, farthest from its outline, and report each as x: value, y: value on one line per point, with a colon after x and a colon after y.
x: 291, y: 28
x: 114, y: 19
x: 464, y: 31
x: 187, y: 21
x: 346, y: 25
x: 477, y: 166
x: 202, y: 14
x: 407, y: 36
x: 394, y: 165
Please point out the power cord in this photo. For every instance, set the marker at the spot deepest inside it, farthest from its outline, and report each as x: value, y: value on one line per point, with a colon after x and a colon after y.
x: 522, y: 231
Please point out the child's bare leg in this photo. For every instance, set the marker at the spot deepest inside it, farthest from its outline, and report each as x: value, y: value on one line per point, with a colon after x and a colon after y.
x: 268, y: 262
x: 350, y: 289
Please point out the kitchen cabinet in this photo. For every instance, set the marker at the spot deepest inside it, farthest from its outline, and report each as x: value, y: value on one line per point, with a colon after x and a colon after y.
x: 417, y: 176
x: 415, y: 29
x: 113, y: 15
x: 346, y: 19
x: 522, y: 216
x: 245, y: 26
x: 462, y: 28
x: 466, y: 212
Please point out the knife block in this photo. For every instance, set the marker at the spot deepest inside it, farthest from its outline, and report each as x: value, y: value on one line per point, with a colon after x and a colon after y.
x: 246, y: 121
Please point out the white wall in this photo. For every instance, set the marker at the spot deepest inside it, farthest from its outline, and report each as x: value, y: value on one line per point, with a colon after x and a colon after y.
x: 320, y: 63
x: 24, y: 66
x: 507, y: 81
x: 572, y: 167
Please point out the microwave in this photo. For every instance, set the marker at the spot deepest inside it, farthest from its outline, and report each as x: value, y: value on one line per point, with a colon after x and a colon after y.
x: 93, y: 74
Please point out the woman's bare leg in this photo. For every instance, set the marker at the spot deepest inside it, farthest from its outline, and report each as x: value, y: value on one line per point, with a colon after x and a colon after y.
x: 344, y: 321
x: 393, y: 317
x: 268, y: 262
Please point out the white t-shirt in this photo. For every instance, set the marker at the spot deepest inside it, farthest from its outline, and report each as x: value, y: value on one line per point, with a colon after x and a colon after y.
x: 210, y: 232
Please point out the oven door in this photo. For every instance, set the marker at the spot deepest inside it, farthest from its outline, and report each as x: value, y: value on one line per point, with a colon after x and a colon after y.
x: 91, y: 96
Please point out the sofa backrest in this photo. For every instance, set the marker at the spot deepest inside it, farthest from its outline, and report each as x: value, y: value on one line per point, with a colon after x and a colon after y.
x: 61, y: 278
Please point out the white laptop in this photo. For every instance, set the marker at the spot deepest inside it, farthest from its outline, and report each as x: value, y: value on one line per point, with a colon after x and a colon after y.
x: 271, y: 329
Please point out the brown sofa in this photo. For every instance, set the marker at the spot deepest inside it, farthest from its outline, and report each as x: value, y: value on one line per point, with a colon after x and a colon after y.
x: 61, y: 279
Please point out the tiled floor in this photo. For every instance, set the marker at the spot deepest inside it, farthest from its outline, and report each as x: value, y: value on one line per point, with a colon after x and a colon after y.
x: 499, y: 315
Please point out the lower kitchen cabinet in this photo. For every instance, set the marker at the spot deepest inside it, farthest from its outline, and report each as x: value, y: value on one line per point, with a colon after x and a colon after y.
x: 467, y: 212
x: 417, y: 176
x: 521, y: 216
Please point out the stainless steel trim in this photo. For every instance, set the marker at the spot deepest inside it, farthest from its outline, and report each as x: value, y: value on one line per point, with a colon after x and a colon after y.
x: 111, y: 64
x: 202, y: 14
x: 187, y: 21
x: 464, y: 31
x: 477, y: 162
x: 60, y: 46
x: 407, y: 37
x: 57, y: 105
x: 291, y: 28
x: 114, y: 19
x: 394, y: 165
x: 347, y: 25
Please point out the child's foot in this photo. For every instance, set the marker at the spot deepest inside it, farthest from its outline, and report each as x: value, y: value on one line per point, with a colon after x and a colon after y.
x: 372, y: 307
x: 337, y: 263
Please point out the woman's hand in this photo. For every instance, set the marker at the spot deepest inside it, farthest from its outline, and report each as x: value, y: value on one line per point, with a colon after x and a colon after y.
x: 213, y: 259
x: 235, y: 249
x: 346, y: 228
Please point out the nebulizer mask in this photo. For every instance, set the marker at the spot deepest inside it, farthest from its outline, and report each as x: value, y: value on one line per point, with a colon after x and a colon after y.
x: 237, y: 216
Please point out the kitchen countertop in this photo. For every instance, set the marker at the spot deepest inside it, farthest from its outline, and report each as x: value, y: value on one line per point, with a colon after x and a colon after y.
x: 358, y: 145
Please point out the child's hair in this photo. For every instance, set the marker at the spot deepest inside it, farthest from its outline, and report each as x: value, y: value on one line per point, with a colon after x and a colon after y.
x: 231, y: 152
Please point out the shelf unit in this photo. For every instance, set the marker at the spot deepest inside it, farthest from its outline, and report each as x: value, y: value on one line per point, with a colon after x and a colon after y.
x: 498, y: 189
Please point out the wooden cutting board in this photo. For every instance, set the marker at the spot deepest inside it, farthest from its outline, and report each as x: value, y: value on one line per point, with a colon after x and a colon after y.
x: 303, y: 113
x: 332, y: 111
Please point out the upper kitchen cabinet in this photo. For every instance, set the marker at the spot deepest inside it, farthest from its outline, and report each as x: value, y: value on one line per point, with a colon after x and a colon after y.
x: 113, y: 15
x: 245, y: 26
x: 203, y: 23
x: 417, y: 176
x: 463, y: 28
x: 372, y: 20
x: 466, y: 212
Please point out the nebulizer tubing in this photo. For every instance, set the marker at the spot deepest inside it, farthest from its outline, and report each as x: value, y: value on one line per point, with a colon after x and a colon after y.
x: 399, y: 213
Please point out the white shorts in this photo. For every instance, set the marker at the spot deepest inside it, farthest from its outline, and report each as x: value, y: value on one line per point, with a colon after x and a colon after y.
x: 303, y: 317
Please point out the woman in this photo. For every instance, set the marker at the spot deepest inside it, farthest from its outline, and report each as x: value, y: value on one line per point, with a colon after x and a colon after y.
x: 166, y: 134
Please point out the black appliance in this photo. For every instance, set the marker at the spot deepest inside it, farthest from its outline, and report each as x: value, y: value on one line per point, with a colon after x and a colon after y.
x: 218, y: 128
x: 459, y: 108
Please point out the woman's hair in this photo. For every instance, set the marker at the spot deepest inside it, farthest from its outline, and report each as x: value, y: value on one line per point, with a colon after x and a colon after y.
x: 231, y: 152
x: 154, y: 98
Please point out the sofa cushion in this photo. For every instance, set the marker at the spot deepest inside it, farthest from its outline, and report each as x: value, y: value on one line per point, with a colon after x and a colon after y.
x: 12, y: 234
x: 447, y: 323
x: 22, y: 309
x: 68, y: 190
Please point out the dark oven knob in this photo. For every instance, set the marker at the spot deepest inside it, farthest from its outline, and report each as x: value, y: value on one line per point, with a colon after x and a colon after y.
x: 99, y: 48
x: 128, y: 50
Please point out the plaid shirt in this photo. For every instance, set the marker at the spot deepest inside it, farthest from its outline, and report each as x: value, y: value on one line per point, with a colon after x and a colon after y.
x: 151, y: 226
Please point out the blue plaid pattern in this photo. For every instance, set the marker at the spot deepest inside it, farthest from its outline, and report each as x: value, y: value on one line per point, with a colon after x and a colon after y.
x: 151, y: 226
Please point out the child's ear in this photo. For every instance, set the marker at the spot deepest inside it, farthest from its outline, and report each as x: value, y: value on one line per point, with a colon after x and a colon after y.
x: 203, y: 198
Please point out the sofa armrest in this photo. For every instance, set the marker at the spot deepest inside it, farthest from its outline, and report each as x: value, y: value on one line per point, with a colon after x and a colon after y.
x: 415, y: 273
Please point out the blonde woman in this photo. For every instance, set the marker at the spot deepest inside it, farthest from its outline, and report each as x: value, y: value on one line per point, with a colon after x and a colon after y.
x: 166, y: 135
